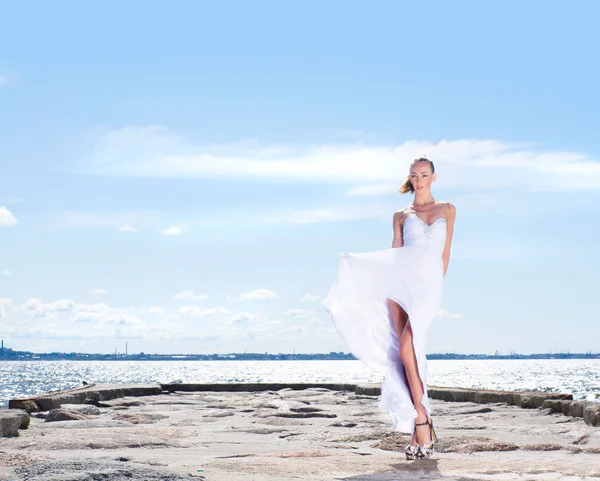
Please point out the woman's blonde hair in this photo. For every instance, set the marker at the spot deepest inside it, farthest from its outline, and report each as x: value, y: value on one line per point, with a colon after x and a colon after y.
x: 407, y: 185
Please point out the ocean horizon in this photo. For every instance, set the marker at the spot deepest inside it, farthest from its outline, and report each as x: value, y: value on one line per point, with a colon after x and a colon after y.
x: 579, y: 377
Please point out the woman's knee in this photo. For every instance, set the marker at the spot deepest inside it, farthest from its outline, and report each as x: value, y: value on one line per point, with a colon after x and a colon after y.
x: 406, y: 353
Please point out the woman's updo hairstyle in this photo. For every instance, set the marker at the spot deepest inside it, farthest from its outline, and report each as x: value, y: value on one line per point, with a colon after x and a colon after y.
x: 407, y: 186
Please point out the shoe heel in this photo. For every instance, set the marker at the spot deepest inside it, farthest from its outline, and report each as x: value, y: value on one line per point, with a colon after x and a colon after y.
x: 434, y: 437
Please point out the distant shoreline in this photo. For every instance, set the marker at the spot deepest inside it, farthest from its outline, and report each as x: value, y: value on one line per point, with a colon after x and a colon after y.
x: 9, y: 355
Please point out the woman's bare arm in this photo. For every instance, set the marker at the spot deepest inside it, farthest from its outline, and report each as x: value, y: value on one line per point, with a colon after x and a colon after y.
x: 450, y: 217
x: 398, y: 220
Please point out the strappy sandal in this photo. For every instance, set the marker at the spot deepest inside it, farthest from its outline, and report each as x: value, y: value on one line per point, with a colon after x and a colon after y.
x: 426, y: 450
x: 411, y: 452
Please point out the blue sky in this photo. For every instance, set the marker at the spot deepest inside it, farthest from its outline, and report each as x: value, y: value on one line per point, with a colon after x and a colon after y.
x: 182, y: 178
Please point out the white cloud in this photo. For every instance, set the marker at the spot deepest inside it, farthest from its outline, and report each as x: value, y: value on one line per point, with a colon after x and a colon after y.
x: 448, y: 315
x: 87, y: 316
x: 4, y: 305
x: 35, y: 305
x: 65, y: 320
x: 99, y: 292
x: 59, y: 323
x: 316, y: 321
x: 333, y: 214
x: 7, y: 219
x: 189, y: 295
x: 243, y: 318
x: 258, y: 294
x: 50, y: 310
x: 158, y: 310
x: 308, y: 297
x: 468, y: 164
x: 126, y: 228
x: 172, y: 231
x: 196, y: 311
x: 60, y: 305
x: 122, y: 319
x: 5, y: 273
x: 299, y: 313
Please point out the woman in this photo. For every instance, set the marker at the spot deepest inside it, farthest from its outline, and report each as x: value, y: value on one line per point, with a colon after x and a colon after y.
x: 383, y: 303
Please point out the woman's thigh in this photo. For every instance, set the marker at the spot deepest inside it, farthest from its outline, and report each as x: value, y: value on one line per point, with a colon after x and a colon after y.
x: 399, y: 316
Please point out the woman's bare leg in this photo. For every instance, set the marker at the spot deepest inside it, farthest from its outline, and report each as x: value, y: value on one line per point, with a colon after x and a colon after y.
x: 407, y: 353
x: 400, y: 319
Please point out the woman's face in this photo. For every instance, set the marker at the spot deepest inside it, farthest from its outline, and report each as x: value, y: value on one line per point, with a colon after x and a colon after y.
x: 421, y: 176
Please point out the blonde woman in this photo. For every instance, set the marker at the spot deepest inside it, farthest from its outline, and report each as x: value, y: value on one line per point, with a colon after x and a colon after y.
x: 383, y: 303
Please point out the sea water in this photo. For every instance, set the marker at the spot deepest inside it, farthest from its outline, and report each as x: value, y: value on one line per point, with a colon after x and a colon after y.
x: 579, y: 377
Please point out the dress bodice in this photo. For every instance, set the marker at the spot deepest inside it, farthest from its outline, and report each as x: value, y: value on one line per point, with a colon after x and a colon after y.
x: 416, y: 231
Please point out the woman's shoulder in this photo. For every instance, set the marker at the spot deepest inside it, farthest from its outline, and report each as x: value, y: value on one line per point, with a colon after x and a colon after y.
x: 447, y: 207
x: 400, y: 213
x: 447, y: 210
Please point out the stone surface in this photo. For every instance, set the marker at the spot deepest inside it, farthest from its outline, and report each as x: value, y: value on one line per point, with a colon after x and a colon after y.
x: 87, y: 409
x: 591, y: 414
x: 13, y: 420
x: 64, y: 415
x: 9, y: 424
x: 189, y: 432
x: 81, y: 395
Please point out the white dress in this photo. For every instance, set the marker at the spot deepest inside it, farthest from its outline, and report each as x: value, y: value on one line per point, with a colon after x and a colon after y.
x: 412, y: 276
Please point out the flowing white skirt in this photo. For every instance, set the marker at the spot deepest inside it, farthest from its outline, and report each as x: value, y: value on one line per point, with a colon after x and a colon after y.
x: 410, y: 275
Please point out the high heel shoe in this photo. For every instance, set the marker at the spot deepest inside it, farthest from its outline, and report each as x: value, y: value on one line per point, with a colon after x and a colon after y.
x: 426, y: 450
x: 411, y: 452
